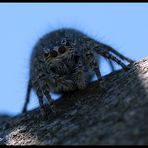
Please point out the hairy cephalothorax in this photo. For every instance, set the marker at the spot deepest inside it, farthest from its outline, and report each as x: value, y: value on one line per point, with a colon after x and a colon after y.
x: 66, y: 60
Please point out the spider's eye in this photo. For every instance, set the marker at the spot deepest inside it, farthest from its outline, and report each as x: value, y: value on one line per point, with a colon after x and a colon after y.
x: 53, y: 53
x: 68, y: 43
x: 62, y: 49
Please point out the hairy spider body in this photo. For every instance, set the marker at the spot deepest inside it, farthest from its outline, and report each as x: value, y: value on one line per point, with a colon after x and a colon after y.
x: 66, y: 60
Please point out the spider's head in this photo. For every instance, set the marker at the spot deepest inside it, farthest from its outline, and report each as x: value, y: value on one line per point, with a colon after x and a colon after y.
x: 58, y: 51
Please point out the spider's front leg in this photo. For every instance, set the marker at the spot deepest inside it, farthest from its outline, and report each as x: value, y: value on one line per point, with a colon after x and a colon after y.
x: 46, y: 91
x: 48, y: 97
x: 39, y: 94
x: 41, y: 88
x: 89, y: 55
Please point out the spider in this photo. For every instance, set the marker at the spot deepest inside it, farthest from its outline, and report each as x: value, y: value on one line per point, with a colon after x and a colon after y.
x: 65, y: 60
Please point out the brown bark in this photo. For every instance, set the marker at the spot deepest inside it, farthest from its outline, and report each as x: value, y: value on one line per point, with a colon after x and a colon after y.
x: 91, y: 116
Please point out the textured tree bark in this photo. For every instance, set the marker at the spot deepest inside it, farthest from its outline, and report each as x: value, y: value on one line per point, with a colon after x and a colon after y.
x: 117, y: 115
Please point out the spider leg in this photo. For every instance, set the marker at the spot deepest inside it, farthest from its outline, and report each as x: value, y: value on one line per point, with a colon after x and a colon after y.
x: 40, y: 98
x: 48, y: 97
x: 108, y: 55
x: 111, y: 65
x: 93, y: 62
x: 46, y: 89
x: 109, y: 48
x: 29, y: 87
x: 94, y: 65
x: 79, y: 76
x: 49, y: 100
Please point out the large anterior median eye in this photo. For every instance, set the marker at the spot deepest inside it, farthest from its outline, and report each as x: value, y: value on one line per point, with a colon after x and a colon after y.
x: 61, y: 49
x: 53, y: 53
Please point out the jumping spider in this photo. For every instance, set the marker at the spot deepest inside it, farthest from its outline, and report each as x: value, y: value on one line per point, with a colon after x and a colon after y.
x: 65, y: 60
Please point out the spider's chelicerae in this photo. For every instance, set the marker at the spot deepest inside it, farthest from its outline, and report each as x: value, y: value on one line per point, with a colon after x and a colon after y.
x: 65, y: 60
